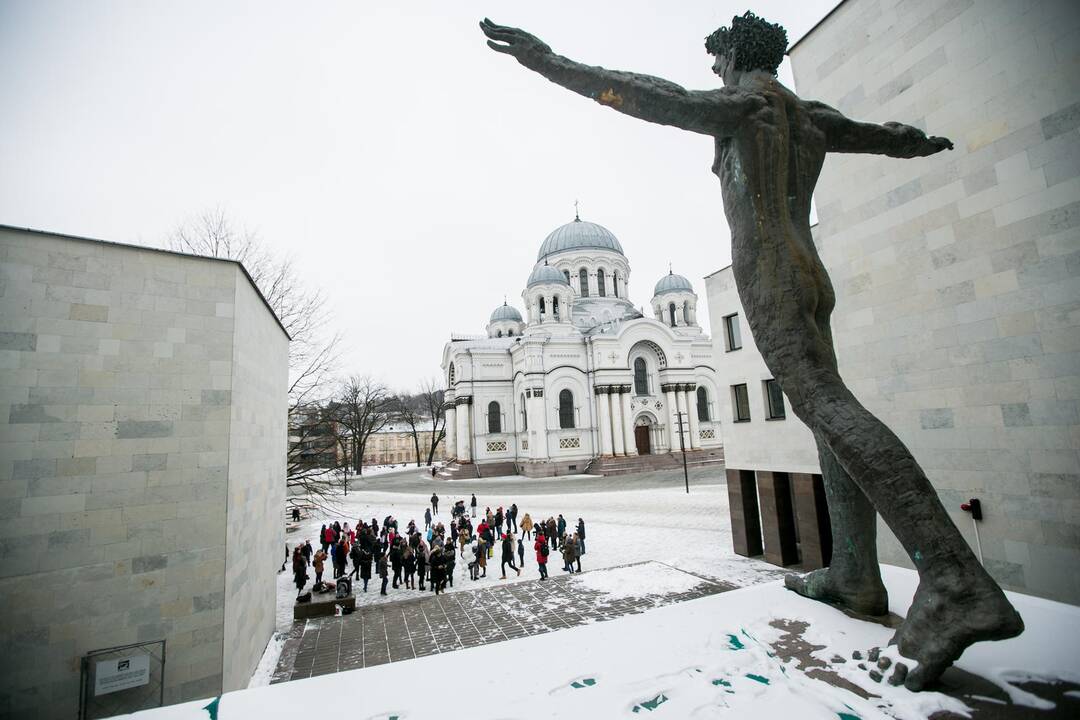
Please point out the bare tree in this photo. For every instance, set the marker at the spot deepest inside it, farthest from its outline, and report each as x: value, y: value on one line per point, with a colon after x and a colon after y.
x: 406, y: 411
x: 431, y: 398
x: 364, y: 406
x: 312, y: 458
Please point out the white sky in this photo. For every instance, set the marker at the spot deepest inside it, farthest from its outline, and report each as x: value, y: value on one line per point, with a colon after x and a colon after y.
x: 410, y: 172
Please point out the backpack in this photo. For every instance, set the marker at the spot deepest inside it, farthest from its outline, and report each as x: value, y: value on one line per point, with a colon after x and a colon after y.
x: 544, y: 550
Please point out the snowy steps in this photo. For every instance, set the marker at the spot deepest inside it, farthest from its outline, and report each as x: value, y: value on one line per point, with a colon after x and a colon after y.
x: 609, y: 466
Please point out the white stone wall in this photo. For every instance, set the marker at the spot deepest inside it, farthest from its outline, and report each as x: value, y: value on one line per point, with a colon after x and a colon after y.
x: 258, y: 433
x: 956, y: 276
x: 760, y: 444
x: 115, y: 376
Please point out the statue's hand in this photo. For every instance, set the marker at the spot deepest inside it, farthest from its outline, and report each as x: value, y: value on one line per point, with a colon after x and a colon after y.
x: 915, y: 143
x: 513, y: 41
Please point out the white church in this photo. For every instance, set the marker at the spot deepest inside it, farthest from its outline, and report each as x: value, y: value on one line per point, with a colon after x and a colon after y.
x: 584, y: 381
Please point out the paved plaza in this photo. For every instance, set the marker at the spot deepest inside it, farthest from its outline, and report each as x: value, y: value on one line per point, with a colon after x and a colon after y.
x: 391, y: 632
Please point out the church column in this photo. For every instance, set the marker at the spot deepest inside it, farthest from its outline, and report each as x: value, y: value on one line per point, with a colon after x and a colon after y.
x: 692, y: 411
x: 617, y: 437
x: 604, y: 419
x: 451, y: 430
x: 538, y: 435
x: 628, y: 420
x: 464, y: 428
x: 673, y: 420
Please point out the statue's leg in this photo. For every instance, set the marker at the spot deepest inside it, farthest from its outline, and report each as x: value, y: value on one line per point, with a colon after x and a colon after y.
x: 957, y: 603
x: 853, y: 578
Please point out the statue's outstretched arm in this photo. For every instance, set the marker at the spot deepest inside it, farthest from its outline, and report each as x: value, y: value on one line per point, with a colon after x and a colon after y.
x: 713, y: 112
x: 842, y: 134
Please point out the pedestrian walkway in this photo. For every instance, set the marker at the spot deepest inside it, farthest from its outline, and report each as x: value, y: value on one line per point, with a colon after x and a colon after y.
x: 391, y: 632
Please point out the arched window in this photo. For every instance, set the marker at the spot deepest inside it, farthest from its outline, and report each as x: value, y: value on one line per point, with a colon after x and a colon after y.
x: 555, y: 309
x: 702, y: 404
x: 686, y: 312
x: 566, y: 409
x: 524, y: 414
x: 542, y: 311
x: 509, y: 333
x: 615, y: 283
x: 451, y: 377
x: 583, y: 280
x: 494, y: 418
x: 498, y: 333
x: 600, y: 289
x: 641, y: 377
x: 567, y: 274
x: 671, y: 311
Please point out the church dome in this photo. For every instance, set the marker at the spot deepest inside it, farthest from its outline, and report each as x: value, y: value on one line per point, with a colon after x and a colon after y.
x: 546, y: 274
x: 505, y: 312
x: 672, y: 283
x: 577, y: 235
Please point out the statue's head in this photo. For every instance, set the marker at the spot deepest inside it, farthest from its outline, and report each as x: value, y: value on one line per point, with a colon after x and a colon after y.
x: 751, y: 43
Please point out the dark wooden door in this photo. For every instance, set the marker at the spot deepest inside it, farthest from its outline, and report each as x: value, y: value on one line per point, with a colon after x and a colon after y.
x: 641, y: 438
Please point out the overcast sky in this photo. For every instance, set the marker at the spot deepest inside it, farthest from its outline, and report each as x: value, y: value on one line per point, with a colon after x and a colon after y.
x: 408, y: 170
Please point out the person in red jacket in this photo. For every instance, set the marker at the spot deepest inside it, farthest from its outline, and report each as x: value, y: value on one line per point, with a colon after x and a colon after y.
x: 542, y: 550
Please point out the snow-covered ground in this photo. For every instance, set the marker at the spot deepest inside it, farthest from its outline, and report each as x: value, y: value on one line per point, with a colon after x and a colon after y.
x: 711, y: 657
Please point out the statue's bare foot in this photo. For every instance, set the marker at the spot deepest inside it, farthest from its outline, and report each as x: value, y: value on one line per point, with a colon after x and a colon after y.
x: 866, y: 596
x: 948, y: 615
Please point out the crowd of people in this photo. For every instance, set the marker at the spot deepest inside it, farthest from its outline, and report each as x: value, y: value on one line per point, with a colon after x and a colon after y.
x: 426, y: 559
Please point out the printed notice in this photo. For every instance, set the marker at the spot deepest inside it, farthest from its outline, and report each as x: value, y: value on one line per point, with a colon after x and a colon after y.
x: 121, y: 674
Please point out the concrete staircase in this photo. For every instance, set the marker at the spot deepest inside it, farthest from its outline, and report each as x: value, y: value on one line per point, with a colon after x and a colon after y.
x: 457, y: 470
x: 607, y: 466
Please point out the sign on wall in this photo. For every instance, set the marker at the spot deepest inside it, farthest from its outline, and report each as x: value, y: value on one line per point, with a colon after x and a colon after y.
x: 121, y: 673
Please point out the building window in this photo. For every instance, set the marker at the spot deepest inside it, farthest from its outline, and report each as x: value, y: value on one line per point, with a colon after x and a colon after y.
x: 702, y: 404
x: 567, y: 274
x: 731, y: 329
x: 775, y: 399
x: 542, y: 310
x: 615, y: 283
x: 641, y: 377
x: 509, y: 333
x: 671, y: 312
x: 583, y: 281
x: 741, y: 402
x: 555, y: 309
x: 524, y: 414
x: 451, y: 373
x: 498, y: 334
x: 686, y: 312
x: 566, y: 409
x: 600, y: 289
x: 494, y: 418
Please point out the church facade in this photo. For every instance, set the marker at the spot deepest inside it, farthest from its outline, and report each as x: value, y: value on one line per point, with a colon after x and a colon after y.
x: 583, y: 374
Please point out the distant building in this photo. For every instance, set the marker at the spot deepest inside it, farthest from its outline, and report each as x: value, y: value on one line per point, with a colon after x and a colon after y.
x: 315, y: 438
x: 142, y: 471
x: 394, y: 445
x: 957, y: 277
x: 585, y: 374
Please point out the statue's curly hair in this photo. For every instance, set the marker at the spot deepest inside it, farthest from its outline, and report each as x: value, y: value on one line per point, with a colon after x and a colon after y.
x: 757, y: 43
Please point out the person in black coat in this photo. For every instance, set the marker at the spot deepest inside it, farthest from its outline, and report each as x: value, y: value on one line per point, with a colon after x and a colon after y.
x: 365, y: 565
x: 307, y: 551
x: 354, y: 555
x: 299, y: 568
x: 396, y: 560
x: 508, y: 555
x: 581, y: 536
x: 449, y: 561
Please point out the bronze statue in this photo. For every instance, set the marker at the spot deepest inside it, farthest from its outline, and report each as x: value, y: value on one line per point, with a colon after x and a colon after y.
x: 770, y: 145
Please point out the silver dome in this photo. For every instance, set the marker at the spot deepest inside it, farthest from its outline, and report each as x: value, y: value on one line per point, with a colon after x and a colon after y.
x: 505, y: 312
x: 672, y: 283
x: 576, y: 235
x: 546, y: 274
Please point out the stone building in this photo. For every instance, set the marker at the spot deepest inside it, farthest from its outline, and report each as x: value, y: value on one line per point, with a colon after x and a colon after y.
x: 142, y: 460
x: 394, y: 445
x: 956, y: 276
x: 584, y: 374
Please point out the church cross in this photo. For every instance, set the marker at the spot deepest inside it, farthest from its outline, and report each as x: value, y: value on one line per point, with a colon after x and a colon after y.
x: 614, y: 356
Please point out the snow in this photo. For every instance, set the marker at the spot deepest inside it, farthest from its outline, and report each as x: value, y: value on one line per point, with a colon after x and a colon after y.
x: 627, y: 582
x: 709, y: 657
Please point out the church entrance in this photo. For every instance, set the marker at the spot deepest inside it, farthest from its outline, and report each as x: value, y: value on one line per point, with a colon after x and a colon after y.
x: 641, y: 438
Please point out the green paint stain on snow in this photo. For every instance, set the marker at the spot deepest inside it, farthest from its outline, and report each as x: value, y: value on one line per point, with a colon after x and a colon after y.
x: 651, y: 704
x: 734, y: 643
x: 586, y: 682
x: 848, y: 716
x: 721, y: 682
x: 212, y: 708
x: 758, y: 678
